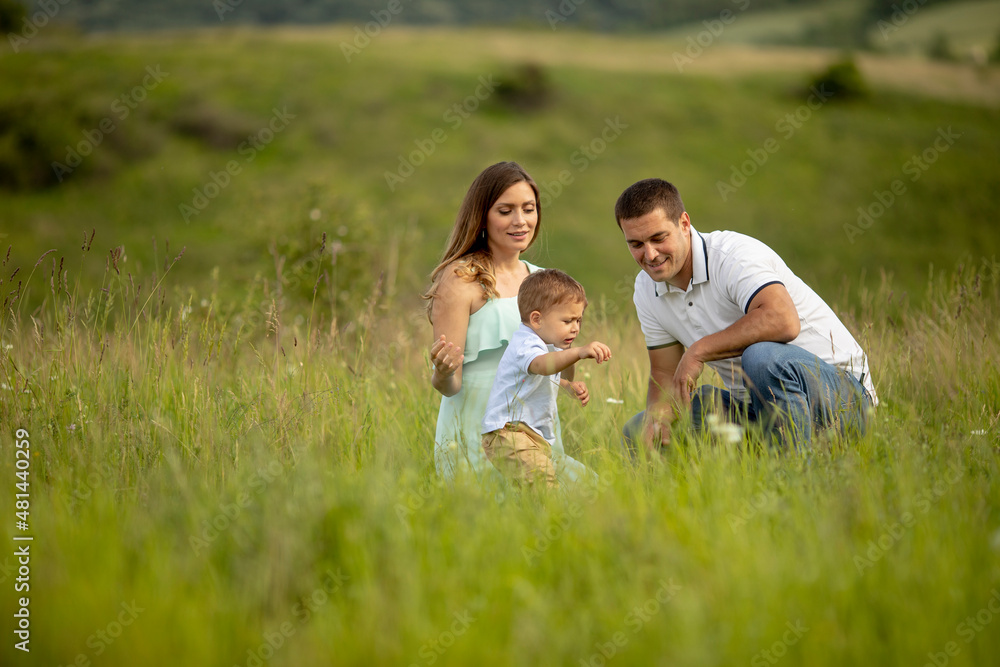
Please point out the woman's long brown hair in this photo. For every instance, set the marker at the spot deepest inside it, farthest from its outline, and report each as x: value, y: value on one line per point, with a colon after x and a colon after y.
x: 467, y: 244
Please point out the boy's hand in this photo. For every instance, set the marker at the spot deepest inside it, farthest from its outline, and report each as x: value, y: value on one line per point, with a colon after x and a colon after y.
x: 579, y: 391
x: 599, y: 352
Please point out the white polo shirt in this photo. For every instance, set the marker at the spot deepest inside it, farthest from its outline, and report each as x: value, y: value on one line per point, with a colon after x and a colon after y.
x: 729, y: 269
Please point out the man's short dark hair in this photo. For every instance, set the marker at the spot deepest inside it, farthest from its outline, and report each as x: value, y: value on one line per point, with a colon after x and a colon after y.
x: 646, y: 196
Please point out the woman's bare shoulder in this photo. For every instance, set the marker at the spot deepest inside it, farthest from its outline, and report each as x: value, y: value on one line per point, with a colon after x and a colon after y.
x: 457, y: 287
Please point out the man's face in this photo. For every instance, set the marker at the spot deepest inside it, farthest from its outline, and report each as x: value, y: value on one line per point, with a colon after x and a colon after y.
x: 660, y: 246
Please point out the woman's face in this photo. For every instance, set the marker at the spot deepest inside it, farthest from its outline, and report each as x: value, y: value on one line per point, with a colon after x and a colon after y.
x: 511, y: 221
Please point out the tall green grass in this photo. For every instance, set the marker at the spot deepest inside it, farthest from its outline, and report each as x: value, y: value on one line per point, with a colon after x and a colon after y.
x: 261, y: 491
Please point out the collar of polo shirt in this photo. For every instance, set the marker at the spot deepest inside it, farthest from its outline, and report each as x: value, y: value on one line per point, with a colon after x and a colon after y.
x: 699, y: 266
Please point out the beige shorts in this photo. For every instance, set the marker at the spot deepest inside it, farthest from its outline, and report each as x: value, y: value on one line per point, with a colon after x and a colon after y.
x: 521, y: 455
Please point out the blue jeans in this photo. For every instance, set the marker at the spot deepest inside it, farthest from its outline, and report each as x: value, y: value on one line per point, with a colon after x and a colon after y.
x: 792, y: 392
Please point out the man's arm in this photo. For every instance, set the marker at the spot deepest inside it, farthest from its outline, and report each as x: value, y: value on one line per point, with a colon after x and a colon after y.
x: 660, y: 397
x: 771, y: 317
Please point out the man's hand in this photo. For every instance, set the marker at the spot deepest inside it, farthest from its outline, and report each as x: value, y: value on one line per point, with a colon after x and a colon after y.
x: 656, y: 433
x: 686, y: 375
x: 660, y: 397
x: 599, y: 352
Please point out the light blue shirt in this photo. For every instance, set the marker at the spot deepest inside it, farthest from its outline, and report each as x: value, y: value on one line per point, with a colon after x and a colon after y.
x: 519, y: 395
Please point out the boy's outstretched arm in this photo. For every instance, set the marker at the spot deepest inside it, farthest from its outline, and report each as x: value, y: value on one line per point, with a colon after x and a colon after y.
x: 560, y: 360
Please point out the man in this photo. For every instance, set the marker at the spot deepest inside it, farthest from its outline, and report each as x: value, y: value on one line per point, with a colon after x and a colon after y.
x: 729, y: 301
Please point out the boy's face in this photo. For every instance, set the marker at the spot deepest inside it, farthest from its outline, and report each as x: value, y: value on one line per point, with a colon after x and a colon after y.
x: 560, y: 325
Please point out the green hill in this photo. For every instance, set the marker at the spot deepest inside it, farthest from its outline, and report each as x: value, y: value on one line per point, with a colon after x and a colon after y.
x: 351, y: 123
x: 971, y: 27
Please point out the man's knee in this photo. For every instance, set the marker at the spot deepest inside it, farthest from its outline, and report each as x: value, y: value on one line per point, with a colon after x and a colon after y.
x: 633, y: 427
x: 704, y: 401
x: 760, y: 357
x: 706, y: 397
x: 632, y: 433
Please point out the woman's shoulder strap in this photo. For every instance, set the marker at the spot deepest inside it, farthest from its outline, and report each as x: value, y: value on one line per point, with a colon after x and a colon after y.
x: 531, y: 267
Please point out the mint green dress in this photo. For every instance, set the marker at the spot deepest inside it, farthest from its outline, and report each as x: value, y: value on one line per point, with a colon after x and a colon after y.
x: 458, y: 442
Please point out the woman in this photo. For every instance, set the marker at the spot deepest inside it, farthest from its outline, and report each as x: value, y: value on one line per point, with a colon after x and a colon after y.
x: 473, y: 308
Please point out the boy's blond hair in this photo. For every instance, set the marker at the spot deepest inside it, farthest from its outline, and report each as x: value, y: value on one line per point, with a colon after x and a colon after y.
x: 544, y: 289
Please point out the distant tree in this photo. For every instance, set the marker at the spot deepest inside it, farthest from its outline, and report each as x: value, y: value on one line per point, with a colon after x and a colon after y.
x: 940, y: 48
x: 883, y: 10
x: 842, y: 80
x: 605, y: 15
x: 527, y: 88
x: 12, y: 15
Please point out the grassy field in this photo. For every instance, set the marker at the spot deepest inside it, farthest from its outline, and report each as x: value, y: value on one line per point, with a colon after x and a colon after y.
x: 230, y: 446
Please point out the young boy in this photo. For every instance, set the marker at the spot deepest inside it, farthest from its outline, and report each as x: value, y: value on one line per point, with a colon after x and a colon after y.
x: 519, y: 424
